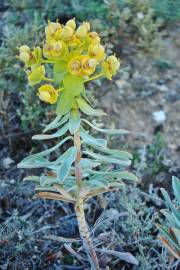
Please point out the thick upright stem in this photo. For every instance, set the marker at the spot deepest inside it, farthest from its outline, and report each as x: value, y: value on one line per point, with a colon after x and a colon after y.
x: 79, y: 209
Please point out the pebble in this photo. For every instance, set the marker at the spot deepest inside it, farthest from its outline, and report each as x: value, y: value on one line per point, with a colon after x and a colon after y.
x: 163, y: 88
x: 159, y: 116
x: 6, y: 162
x: 121, y: 83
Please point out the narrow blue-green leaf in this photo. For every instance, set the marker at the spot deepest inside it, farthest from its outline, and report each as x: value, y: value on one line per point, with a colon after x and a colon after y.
x: 176, y: 219
x: 117, y: 173
x: 74, y: 121
x: 47, y: 188
x: 108, y: 131
x: 32, y: 164
x: 115, y: 153
x: 45, y: 152
x: 48, y: 180
x: 87, y: 163
x: 100, y: 183
x: 33, y: 178
x: 176, y: 188
x: 57, y: 134
x: 116, y: 184
x: 86, y: 108
x: 172, y: 220
x: 107, y: 159
x: 169, y: 203
x: 65, y: 167
x: 177, y: 234
x: 87, y: 137
x: 170, y: 239
x: 52, y: 124
x: 57, y: 122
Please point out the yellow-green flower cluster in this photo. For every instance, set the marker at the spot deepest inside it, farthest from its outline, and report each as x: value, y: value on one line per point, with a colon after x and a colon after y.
x: 72, y: 50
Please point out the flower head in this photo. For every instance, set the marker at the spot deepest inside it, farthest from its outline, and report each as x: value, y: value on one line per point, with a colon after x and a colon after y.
x: 67, y: 32
x: 53, y: 30
x: 24, y: 48
x: 94, y: 38
x: 71, y: 23
x: 30, y: 57
x: 54, y: 49
x: 74, y: 66
x: 88, y: 65
x: 36, y: 75
x: 97, y: 51
x: 48, y: 93
x: 82, y: 30
x: 111, y: 66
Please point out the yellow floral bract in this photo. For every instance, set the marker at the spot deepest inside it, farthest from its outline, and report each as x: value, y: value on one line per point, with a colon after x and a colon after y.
x: 48, y: 94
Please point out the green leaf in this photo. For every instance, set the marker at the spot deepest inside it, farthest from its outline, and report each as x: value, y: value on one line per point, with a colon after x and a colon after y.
x: 57, y: 134
x: 117, y: 173
x: 86, y: 163
x: 108, y: 131
x: 107, y: 159
x: 100, y: 183
x: 73, y: 84
x: 115, y: 153
x: 65, y: 167
x: 48, y: 180
x: 168, y: 236
x: 176, y: 188
x: 170, y: 204
x: 48, y: 188
x: 59, y: 71
x: 177, y: 234
x: 65, y: 102
x: 36, y: 157
x: 57, y: 122
x: 52, y: 124
x: 74, y: 121
x: 33, y: 178
x: 87, y: 137
x: 173, y: 221
x: 86, y: 108
x: 39, y: 163
x: 176, y: 219
x: 116, y: 184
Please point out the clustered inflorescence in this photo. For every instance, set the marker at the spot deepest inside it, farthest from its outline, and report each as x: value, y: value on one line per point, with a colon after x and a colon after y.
x: 75, y: 52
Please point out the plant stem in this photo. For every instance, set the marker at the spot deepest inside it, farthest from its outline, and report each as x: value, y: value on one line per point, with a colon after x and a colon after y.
x: 94, y: 77
x: 79, y: 209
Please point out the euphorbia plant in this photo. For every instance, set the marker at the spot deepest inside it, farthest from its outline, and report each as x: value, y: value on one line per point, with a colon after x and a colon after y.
x: 85, y: 169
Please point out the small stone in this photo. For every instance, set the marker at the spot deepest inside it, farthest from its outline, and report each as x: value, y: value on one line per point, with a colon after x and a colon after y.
x: 120, y: 83
x: 159, y: 116
x: 163, y: 88
x: 177, y: 41
x: 136, y: 74
x: 6, y: 162
x: 140, y: 15
x: 12, y: 181
x: 125, y: 75
x: 123, y: 85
